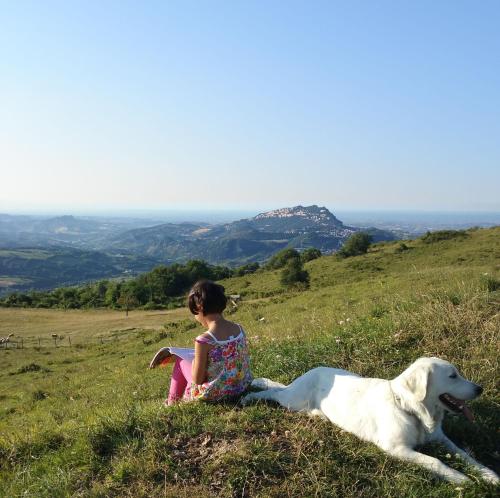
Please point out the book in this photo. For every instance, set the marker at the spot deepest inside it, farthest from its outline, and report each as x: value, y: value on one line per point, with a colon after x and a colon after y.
x: 166, y: 355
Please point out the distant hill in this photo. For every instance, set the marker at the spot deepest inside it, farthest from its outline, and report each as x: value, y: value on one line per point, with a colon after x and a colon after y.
x: 46, y: 252
x: 297, y: 218
x: 33, y: 268
x: 246, y: 240
x: 42, y: 231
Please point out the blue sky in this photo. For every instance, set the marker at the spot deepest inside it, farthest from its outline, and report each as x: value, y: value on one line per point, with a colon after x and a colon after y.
x: 149, y: 105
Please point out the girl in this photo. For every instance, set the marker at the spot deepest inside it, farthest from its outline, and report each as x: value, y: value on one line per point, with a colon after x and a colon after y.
x: 221, y: 366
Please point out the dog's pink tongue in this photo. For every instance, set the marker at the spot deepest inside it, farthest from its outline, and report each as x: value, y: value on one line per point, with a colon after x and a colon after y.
x: 468, y: 413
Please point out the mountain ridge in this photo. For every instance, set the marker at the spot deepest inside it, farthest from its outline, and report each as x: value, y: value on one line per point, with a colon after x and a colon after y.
x: 79, y: 250
x: 242, y: 241
x: 314, y: 213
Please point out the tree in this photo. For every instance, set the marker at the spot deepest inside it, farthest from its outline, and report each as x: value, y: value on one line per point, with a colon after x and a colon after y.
x: 197, y: 269
x: 219, y: 272
x: 281, y: 258
x: 112, y: 294
x: 127, y: 300
x: 157, y: 287
x: 246, y: 269
x: 168, y: 281
x: 294, y: 275
x: 88, y: 297
x: 356, y: 245
x: 309, y: 254
x: 68, y: 297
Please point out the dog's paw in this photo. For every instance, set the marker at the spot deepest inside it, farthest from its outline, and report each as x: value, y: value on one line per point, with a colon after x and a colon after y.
x: 247, y: 399
x: 457, y: 477
x: 490, y: 476
x: 264, y: 384
x: 261, y: 383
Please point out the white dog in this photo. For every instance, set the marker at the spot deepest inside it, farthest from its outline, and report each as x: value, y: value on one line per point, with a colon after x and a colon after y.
x: 396, y: 415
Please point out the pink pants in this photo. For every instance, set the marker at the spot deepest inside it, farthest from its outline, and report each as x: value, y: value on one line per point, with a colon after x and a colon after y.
x: 180, y: 382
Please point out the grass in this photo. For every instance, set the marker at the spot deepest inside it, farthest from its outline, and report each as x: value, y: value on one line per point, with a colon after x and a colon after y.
x: 84, y: 326
x: 25, y: 253
x: 87, y: 420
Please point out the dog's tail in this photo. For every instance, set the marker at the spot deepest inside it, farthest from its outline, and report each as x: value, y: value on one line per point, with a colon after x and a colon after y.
x: 264, y: 384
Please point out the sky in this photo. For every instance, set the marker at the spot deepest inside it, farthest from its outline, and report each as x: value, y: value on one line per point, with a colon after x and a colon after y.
x: 249, y: 104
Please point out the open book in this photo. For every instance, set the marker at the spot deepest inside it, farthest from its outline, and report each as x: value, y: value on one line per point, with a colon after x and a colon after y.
x: 166, y: 355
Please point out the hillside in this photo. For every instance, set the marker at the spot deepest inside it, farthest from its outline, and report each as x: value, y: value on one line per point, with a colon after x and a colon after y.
x: 36, y: 268
x: 87, y: 420
x: 243, y: 241
x: 46, y: 253
x: 83, y: 232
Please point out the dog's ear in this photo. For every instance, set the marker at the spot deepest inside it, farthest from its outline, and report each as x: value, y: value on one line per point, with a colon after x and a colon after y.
x: 412, y: 386
x: 417, y: 381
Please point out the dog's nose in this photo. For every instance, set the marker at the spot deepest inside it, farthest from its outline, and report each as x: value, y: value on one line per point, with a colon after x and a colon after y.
x: 479, y: 390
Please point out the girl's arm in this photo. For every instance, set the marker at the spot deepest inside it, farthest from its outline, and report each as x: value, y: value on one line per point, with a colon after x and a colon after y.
x: 199, y: 369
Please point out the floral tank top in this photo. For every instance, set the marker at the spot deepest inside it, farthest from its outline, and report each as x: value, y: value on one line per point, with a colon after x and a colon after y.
x: 228, y: 370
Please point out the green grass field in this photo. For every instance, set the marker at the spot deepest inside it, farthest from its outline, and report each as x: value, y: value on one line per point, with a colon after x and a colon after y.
x: 87, y: 420
x: 25, y: 253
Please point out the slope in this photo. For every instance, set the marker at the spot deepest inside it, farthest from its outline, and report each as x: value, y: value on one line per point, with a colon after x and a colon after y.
x: 88, y: 420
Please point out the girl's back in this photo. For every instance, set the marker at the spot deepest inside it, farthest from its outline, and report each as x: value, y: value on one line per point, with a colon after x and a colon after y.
x: 228, y: 368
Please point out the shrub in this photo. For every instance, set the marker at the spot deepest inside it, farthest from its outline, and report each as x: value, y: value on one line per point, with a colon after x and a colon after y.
x: 281, y: 258
x: 162, y: 335
x: 39, y: 395
x: 32, y: 367
x: 356, y: 245
x: 246, y: 269
x: 293, y: 274
x: 309, y: 254
x: 431, y: 237
x: 402, y: 247
x: 490, y: 283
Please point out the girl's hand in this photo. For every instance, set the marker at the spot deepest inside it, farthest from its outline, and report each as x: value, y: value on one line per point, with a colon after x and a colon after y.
x: 161, y: 358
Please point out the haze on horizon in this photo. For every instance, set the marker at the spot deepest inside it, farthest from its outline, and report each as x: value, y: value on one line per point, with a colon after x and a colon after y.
x: 251, y: 106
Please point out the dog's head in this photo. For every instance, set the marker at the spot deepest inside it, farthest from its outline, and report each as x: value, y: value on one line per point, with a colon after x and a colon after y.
x: 436, y: 385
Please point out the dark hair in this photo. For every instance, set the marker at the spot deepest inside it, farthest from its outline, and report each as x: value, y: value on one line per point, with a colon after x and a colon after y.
x: 207, y: 296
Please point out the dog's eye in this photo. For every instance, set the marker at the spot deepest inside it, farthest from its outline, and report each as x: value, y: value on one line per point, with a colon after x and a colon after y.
x: 453, y: 376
